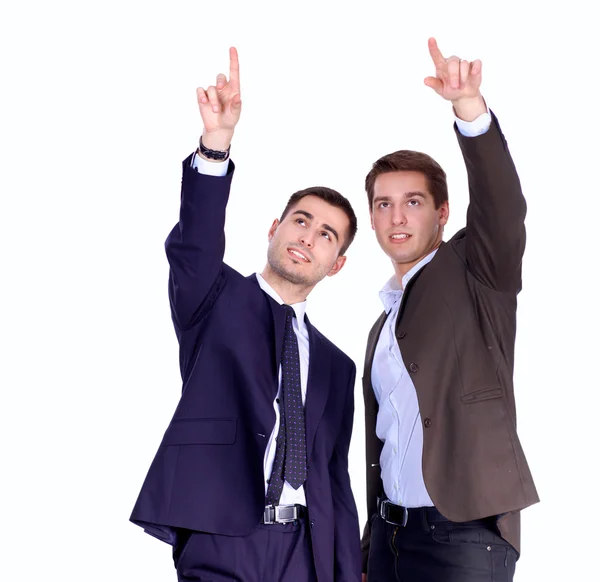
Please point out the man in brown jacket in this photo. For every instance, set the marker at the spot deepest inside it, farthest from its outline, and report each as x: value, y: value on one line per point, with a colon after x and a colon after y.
x: 446, y: 475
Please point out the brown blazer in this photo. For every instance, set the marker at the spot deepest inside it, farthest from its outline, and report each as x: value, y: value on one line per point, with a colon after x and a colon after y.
x: 456, y: 333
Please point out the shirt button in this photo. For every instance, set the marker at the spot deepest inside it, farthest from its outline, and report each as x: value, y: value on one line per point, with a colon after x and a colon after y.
x: 427, y: 422
x: 413, y: 367
x: 395, y: 450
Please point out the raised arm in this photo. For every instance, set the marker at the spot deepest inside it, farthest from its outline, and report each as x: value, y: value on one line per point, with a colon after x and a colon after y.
x: 196, y: 245
x: 495, y: 239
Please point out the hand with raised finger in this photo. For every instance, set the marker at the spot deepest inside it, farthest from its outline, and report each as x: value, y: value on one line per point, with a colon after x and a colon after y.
x: 220, y: 106
x: 457, y: 80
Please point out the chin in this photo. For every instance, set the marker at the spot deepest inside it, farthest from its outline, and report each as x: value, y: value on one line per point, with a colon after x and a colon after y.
x: 401, y: 257
x: 289, y: 273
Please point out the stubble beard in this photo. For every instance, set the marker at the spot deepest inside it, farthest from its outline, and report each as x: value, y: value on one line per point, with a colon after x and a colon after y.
x: 277, y: 264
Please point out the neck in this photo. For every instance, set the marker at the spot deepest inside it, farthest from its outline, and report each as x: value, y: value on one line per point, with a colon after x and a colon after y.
x: 402, y: 268
x: 288, y: 291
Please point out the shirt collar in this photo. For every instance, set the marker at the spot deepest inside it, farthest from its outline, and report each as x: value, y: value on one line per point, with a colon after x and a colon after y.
x: 391, y: 292
x: 299, y: 308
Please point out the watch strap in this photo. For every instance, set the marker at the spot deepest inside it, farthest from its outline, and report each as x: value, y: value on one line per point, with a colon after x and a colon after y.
x: 214, y: 154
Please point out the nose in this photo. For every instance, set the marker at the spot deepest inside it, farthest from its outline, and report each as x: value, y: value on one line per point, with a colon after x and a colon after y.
x: 307, y: 240
x: 398, y: 217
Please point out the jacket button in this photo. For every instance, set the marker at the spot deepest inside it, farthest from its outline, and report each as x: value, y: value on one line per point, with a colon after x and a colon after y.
x: 401, y: 335
x: 427, y: 422
x: 312, y: 523
x: 413, y: 367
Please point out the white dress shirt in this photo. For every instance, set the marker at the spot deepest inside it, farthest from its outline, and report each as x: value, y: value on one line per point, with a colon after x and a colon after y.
x: 209, y: 168
x: 399, y: 424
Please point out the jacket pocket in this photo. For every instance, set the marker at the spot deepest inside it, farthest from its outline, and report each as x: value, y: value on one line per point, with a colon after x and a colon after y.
x: 486, y: 393
x: 201, y: 431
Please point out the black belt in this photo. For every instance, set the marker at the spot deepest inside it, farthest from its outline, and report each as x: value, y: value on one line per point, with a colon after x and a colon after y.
x: 283, y: 513
x: 398, y: 515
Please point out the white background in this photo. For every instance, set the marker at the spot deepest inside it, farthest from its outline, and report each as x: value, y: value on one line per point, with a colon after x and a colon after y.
x: 98, y: 110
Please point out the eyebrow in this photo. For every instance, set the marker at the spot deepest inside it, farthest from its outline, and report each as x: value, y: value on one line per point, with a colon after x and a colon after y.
x: 411, y: 194
x: 325, y: 226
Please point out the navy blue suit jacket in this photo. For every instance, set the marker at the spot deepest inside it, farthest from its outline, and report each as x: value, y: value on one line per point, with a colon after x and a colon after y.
x: 207, y: 474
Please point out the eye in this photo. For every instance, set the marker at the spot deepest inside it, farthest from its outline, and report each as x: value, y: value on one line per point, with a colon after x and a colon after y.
x: 326, y: 235
x: 414, y: 202
x: 300, y: 221
x: 384, y: 205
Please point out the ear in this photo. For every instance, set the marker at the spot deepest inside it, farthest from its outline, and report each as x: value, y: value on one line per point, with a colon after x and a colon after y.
x: 337, y: 266
x: 443, y: 213
x: 371, y: 219
x: 273, y: 229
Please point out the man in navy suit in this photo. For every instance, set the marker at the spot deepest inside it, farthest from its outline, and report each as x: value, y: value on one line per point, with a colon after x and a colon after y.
x: 250, y: 481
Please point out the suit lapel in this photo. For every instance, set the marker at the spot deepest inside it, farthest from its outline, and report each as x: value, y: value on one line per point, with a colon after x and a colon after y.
x: 408, y: 295
x: 317, y: 391
x: 374, y: 338
x: 369, y: 396
x: 371, y: 406
x: 279, y: 327
x: 372, y: 343
x: 278, y: 322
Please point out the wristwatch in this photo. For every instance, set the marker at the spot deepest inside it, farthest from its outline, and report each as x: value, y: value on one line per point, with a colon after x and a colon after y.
x: 219, y: 155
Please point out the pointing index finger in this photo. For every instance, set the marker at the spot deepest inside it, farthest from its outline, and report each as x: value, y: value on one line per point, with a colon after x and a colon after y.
x: 234, y: 67
x: 436, y: 55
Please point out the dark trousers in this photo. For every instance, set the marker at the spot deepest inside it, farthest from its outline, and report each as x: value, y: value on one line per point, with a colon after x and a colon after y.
x: 271, y: 553
x: 433, y: 549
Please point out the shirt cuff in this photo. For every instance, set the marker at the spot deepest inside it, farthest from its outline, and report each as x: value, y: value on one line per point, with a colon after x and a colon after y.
x: 476, y: 127
x: 202, y: 166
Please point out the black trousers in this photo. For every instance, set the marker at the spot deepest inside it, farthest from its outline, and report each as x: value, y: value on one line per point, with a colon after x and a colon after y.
x: 433, y: 549
x: 271, y: 553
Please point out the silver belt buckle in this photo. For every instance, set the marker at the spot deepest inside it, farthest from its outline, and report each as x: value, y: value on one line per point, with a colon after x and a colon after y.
x: 382, y: 506
x: 280, y: 514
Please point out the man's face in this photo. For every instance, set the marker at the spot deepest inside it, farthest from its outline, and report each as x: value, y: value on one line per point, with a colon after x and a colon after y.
x: 407, y: 224
x: 305, y: 246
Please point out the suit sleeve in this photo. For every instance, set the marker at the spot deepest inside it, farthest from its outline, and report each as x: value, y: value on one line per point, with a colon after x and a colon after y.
x: 196, y: 245
x: 495, y: 232
x: 346, y: 530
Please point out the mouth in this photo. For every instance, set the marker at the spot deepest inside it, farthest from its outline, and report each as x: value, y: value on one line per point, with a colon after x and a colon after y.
x: 297, y: 255
x: 399, y: 237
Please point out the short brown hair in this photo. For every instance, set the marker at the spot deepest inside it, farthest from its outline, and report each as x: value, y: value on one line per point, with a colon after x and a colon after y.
x: 410, y: 161
x: 331, y: 197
